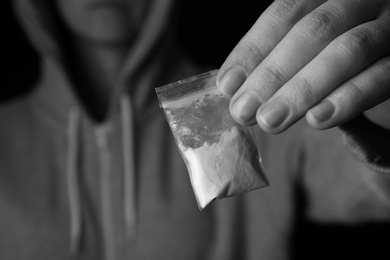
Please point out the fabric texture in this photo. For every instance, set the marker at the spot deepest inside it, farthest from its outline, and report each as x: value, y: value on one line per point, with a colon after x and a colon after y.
x: 72, y: 188
x: 369, y: 142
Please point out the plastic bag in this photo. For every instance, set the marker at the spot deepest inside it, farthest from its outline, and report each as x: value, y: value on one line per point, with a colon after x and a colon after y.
x: 221, y: 157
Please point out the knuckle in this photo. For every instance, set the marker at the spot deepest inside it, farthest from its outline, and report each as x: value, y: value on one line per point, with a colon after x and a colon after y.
x: 266, y: 83
x: 248, y: 54
x: 253, y: 50
x: 288, y: 10
x: 383, y: 70
x: 304, y: 96
x: 274, y: 74
x: 273, y: 79
x: 355, y: 93
x: 321, y: 25
x: 256, y: 87
x: 356, y: 46
x: 386, y: 67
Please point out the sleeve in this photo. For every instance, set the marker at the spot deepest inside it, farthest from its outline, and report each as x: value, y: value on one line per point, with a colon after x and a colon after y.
x: 369, y: 142
x: 345, y: 183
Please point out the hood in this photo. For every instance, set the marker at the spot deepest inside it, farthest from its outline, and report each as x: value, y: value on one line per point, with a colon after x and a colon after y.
x: 133, y: 92
x: 144, y: 56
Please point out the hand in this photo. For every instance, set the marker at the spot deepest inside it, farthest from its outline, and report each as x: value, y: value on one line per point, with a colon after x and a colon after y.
x: 328, y: 60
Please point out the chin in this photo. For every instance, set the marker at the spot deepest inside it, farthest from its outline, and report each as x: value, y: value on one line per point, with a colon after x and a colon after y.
x: 113, y: 34
x: 111, y: 39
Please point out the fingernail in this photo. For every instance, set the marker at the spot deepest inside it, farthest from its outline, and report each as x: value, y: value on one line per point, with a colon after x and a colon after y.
x: 323, y: 111
x: 246, y: 106
x: 232, y: 81
x: 274, y: 113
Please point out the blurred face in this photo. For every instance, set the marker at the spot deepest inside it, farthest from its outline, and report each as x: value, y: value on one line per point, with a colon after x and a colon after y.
x: 104, y: 21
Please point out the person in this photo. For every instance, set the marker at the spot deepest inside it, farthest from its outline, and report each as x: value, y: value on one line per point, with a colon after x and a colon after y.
x: 90, y: 170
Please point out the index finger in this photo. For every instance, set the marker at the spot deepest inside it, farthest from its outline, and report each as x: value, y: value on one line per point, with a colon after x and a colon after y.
x: 265, y: 34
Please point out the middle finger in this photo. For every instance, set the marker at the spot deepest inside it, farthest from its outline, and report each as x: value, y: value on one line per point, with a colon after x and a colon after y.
x: 307, y: 38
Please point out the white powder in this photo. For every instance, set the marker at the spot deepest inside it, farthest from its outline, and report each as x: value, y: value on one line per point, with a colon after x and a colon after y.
x: 223, y: 169
x: 221, y: 156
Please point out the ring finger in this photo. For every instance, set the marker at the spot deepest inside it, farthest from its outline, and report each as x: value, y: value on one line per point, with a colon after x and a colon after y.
x: 343, y: 58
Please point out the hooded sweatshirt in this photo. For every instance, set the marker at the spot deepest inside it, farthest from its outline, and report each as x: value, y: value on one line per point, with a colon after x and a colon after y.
x: 72, y: 188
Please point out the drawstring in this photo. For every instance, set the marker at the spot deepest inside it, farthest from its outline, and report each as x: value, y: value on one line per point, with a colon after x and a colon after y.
x: 129, y: 198
x: 105, y: 182
x: 128, y: 166
x: 72, y: 180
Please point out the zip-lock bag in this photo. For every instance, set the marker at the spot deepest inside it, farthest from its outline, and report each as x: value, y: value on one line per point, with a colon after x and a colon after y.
x: 221, y: 157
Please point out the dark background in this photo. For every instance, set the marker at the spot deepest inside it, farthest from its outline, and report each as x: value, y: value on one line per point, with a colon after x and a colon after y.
x: 209, y: 30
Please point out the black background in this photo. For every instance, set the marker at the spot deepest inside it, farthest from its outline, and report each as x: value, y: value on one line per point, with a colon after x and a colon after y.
x: 209, y: 30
